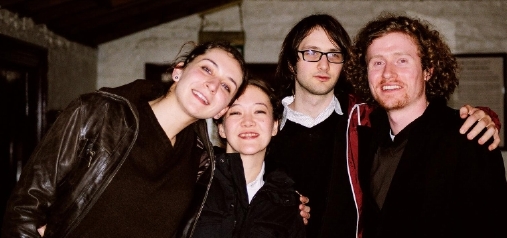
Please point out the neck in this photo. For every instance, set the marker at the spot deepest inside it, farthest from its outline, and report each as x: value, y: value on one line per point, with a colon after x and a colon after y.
x: 170, y: 116
x: 400, y: 118
x: 310, y: 104
x: 252, y: 165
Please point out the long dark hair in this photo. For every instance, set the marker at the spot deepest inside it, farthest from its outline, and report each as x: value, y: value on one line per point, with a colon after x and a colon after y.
x: 286, y: 71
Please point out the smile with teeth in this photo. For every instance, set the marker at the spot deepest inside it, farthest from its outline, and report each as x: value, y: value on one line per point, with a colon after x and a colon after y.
x: 248, y: 135
x: 391, y: 87
x: 198, y: 94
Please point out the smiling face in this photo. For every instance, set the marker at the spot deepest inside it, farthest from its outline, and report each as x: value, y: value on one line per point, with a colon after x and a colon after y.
x: 395, y: 73
x: 205, y: 86
x: 248, y: 125
x: 317, y: 78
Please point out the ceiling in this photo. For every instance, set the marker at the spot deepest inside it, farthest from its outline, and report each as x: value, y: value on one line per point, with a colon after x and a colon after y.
x: 93, y: 22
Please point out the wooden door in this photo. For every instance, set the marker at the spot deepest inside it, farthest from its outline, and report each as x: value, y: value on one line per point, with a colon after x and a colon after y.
x: 23, y: 87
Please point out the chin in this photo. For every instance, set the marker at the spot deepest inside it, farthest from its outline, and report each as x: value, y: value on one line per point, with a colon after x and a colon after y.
x: 251, y: 151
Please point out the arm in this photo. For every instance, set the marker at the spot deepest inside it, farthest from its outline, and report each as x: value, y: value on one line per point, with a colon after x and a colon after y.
x: 483, y: 118
x: 34, y: 193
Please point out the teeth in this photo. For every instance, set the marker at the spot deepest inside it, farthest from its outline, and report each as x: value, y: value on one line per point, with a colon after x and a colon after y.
x: 248, y: 134
x: 391, y: 87
x: 201, y: 97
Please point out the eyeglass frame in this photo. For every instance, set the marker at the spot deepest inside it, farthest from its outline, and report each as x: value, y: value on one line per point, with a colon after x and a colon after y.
x: 321, y: 54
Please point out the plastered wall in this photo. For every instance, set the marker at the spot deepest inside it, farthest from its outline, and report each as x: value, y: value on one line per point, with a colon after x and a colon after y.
x: 469, y: 27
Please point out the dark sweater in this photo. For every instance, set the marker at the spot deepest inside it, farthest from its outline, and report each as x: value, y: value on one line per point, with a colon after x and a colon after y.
x: 154, y: 186
x: 444, y: 185
x: 316, y: 159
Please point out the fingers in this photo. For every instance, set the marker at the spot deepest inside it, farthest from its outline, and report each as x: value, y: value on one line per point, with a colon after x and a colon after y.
x: 466, y: 110
x: 303, y: 199
x: 41, y: 230
x: 482, y: 121
x: 304, y: 212
x: 491, y: 132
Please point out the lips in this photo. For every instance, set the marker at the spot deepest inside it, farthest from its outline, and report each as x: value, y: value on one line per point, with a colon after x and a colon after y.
x: 322, y: 77
x: 201, y: 97
x: 248, y: 135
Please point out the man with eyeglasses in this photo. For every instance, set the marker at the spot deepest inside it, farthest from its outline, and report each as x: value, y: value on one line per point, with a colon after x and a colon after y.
x: 316, y: 146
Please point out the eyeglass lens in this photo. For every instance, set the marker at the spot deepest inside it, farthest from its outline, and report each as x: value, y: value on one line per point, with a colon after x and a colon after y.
x: 314, y: 56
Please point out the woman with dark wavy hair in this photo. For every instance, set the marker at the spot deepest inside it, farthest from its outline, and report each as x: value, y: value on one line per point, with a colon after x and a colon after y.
x: 123, y: 162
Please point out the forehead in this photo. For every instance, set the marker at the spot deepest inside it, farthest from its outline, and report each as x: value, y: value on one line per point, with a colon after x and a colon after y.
x: 220, y: 55
x: 394, y: 41
x: 253, y: 95
x: 319, y: 39
x: 224, y: 61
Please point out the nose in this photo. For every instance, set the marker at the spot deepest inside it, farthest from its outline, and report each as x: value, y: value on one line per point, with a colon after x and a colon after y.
x: 323, y: 63
x: 212, y: 84
x: 247, y: 120
x: 389, y: 71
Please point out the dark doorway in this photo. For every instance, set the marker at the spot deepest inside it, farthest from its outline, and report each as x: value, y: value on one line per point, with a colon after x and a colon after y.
x: 23, y: 89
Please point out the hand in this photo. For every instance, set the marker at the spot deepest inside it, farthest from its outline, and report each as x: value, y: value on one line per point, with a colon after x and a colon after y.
x: 483, y: 120
x: 41, y: 230
x: 305, y: 210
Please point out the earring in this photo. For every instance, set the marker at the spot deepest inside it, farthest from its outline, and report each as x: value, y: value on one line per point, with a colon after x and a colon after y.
x: 175, y: 77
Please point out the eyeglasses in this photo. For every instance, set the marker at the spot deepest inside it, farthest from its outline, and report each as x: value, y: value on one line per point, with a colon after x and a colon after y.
x: 315, y: 56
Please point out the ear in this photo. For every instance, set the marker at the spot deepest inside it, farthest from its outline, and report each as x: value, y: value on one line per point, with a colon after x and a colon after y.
x: 221, y: 113
x: 221, y: 131
x: 427, y: 74
x: 177, y: 71
x: 275, y: 128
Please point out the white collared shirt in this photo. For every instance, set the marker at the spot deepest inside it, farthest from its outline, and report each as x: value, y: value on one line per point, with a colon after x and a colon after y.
x: 254, y: 186
x: 305, y: 120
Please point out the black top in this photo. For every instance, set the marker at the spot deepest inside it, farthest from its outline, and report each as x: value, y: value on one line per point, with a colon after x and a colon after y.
x: 273, y: 211
x: 444, y: 185
x: 316, y: 159
x: 154, y: 186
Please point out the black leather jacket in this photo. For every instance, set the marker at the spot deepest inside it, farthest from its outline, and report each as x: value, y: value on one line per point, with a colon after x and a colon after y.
x: 78, y: 158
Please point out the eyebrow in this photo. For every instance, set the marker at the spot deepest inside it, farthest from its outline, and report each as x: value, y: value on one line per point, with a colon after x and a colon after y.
x: 257, y: 103
x: 312, y: 47
x: 216, y: 65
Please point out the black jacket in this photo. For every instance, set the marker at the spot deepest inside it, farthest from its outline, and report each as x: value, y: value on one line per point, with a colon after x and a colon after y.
x: 78, y: 158
x: 273, y: 211
x: 444, y: 185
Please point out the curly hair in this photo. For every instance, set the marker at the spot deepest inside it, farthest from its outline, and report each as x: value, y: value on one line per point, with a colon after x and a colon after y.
x: 286, y: 70
x: 434, y: 52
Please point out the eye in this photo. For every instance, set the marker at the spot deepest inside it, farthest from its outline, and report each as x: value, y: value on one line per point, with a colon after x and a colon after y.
x: 234, y: 113
x: 226, y: 87
x: 374, y: 63
x: 206, y: 69
x: 403, y: 60
x: 260, y: 112
x: 333, y: 54
x: 310, y: 52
